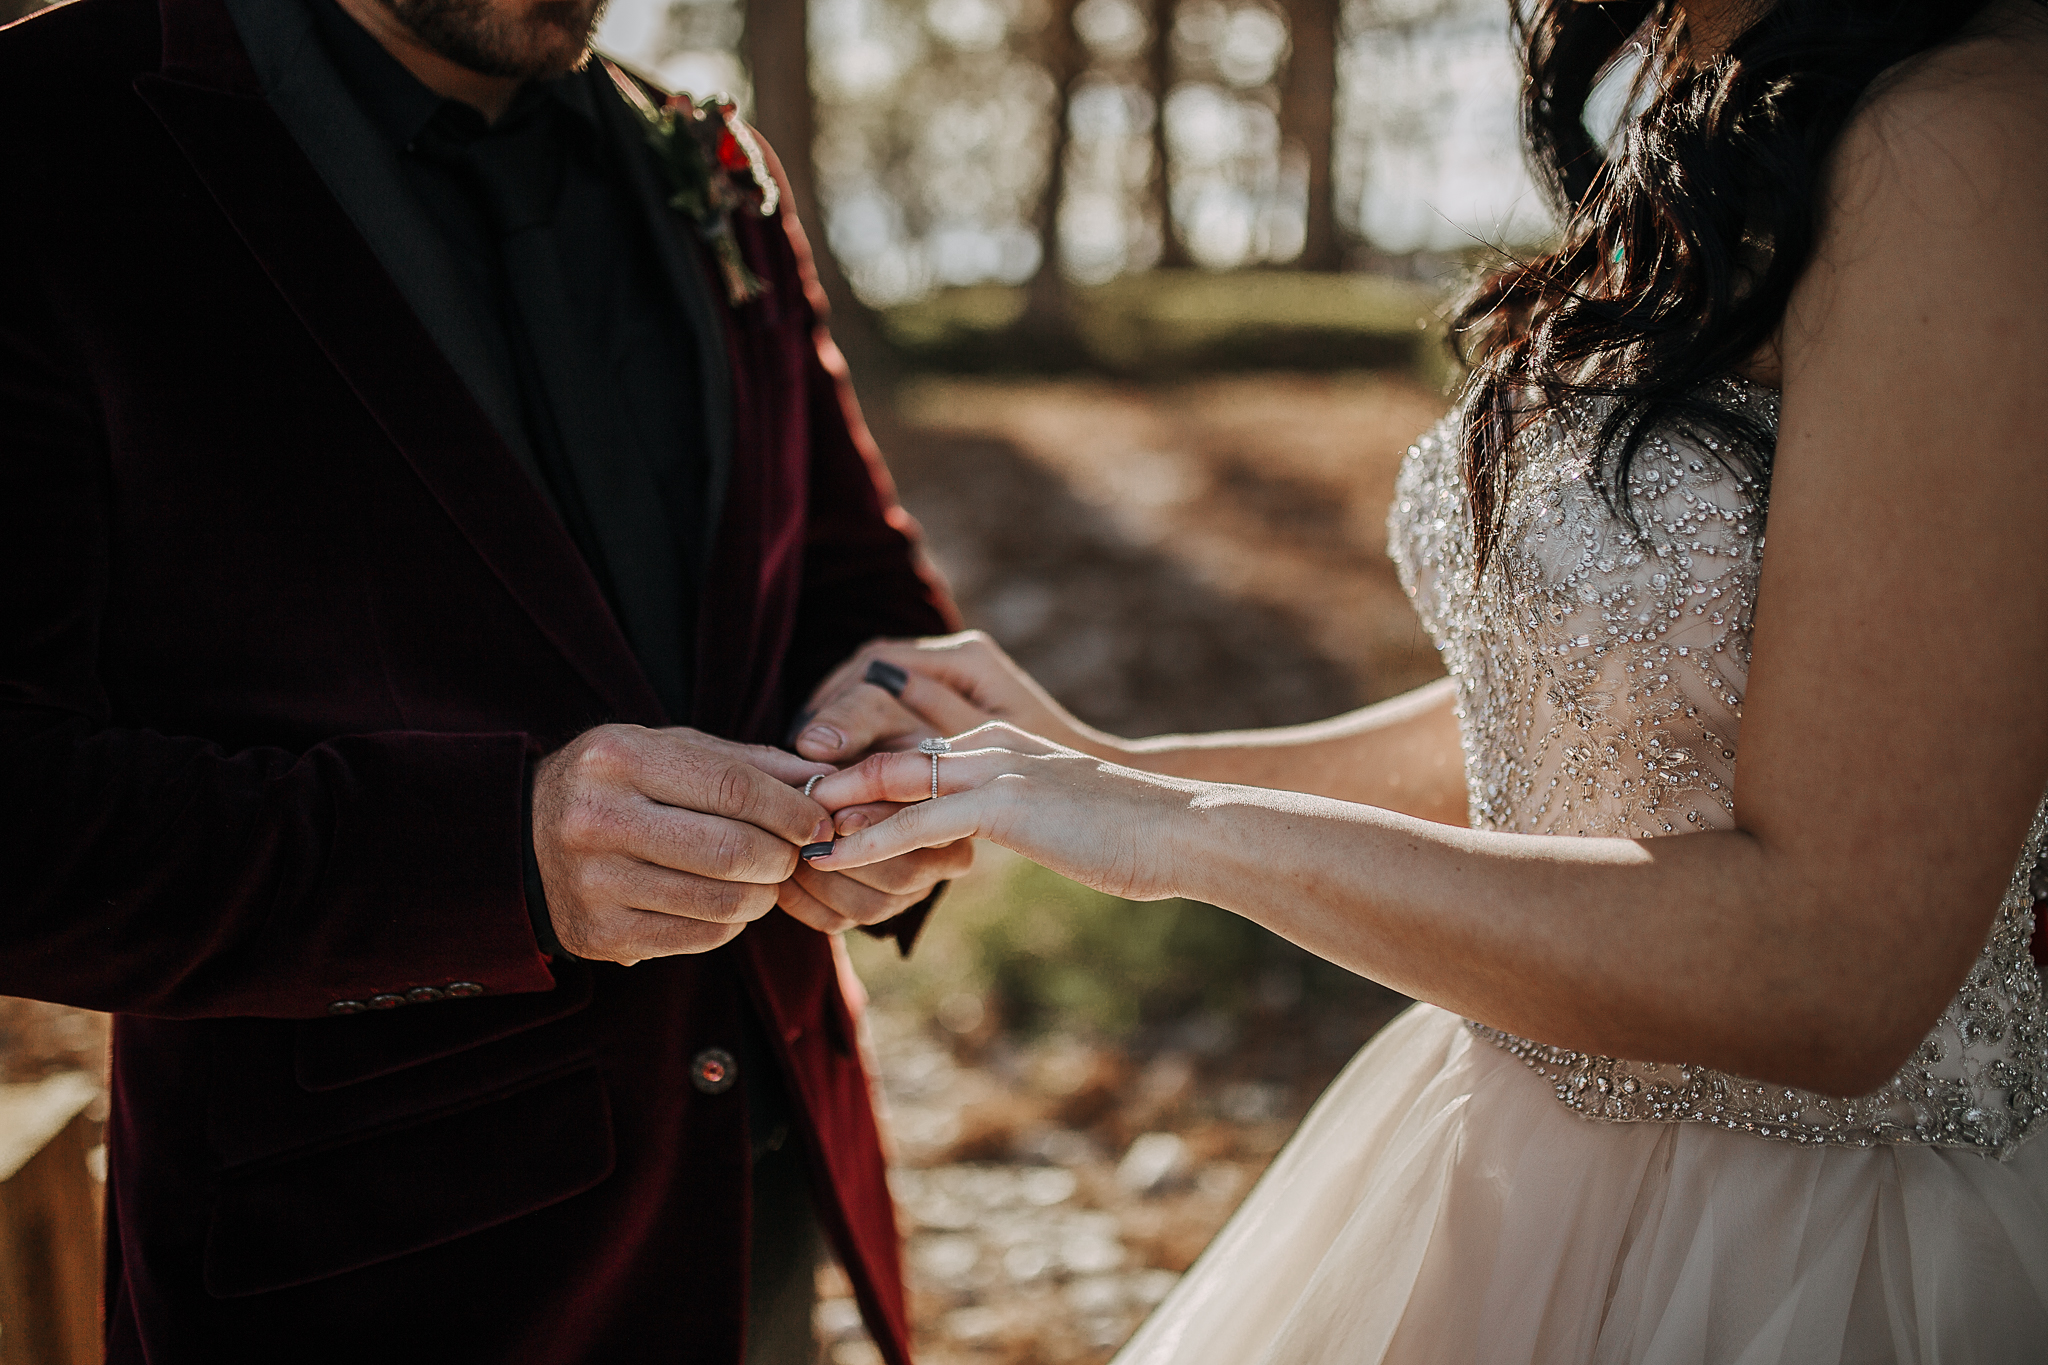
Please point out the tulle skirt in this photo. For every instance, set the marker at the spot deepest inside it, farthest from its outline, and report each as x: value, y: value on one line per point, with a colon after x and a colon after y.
x: 1440, y: 1205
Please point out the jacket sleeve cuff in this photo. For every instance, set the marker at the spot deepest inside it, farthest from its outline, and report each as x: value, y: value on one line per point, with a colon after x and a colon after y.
x: 536, y: 890
x: 418, y: 899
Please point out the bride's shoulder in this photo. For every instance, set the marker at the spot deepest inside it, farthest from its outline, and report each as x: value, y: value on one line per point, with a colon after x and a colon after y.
x: 1936, y: 193
x: 1962, y: 123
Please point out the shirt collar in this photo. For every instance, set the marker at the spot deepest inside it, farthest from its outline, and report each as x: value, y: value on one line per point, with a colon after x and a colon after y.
x: 395, y: 100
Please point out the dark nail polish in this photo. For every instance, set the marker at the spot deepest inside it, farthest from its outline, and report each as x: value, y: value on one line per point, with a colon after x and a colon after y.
x: 809, y: 852
x: 886, y: 676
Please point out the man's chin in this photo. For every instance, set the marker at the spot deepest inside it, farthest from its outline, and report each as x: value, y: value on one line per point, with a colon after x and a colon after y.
x: 567, y: 26
x: 551, y: 38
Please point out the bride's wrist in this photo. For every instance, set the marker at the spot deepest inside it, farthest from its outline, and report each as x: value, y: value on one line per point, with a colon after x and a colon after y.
x: 1186, y: 845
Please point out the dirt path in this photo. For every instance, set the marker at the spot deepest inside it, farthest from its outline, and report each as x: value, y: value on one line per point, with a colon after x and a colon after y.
x: 1206, y: 554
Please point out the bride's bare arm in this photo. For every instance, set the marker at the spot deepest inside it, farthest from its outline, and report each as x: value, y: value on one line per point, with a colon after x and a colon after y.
x: 1401, y: 754
x: 1894, y: 733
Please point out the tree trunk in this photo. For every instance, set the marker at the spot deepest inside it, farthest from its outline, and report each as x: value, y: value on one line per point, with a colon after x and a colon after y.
x: 1173, y: 253
x: 1308, y: 118
x: 777, y: 49
x: 1047, y: 323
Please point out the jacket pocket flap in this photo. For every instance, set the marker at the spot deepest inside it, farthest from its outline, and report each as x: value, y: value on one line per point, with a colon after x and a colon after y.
x: 305, y: 1217
x: 330, y: 1053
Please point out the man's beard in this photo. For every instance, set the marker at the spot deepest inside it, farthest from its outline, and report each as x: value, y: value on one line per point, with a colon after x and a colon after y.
x: 551, y: 38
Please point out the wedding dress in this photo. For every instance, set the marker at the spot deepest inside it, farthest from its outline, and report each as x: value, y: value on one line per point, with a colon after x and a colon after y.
x: 1460, y: 1195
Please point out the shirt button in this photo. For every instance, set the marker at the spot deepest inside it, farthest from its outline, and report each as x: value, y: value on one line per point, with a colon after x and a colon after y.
x: 385, y: 1002
x: 347, y: 1007
x: 713, y: 1071
x: 425, y: 995
x: 462, y: 990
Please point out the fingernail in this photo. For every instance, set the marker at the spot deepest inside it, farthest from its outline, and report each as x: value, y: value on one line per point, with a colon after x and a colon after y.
x: 796, y: 727
x: 813, y: 852
x: 823, y: 737
x: 822, y: 831
x: 854, y: 820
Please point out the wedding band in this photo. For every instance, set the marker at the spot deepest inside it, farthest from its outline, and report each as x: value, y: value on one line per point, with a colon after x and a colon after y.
x: 812, y: 782
x: 934, y: 747
x: 887, y: 676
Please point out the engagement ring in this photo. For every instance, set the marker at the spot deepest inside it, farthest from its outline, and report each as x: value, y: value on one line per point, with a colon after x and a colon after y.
x: 934, y: 747
x: 812, y: 782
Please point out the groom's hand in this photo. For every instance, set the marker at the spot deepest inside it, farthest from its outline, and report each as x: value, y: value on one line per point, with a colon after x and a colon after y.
x: 833, y: 902
x: 658, y: 842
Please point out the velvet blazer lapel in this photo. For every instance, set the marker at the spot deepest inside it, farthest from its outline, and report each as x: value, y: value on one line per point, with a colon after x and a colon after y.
x: 361, y: 170
x: 685, y: 263
x: 210, y: 100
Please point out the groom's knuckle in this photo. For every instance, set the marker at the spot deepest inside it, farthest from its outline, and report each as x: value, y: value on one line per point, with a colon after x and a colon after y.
x: 729, y: 787
x: 608, y: 754
x: 588, y: 824
x: 729, y: 851
x: 749, y: 901
x: 723, y: 902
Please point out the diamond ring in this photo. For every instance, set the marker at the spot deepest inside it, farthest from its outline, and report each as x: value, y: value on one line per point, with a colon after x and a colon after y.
x: 934, y: 747
x: 812, y: 782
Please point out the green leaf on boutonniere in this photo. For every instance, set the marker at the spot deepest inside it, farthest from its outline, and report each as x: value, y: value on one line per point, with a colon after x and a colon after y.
x: 714, y: 169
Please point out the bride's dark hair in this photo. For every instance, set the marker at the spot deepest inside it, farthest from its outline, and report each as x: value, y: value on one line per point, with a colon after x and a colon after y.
x: 1679, y: 249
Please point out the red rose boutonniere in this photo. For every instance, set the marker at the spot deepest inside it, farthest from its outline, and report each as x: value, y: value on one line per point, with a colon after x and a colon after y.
x: 714, y: 169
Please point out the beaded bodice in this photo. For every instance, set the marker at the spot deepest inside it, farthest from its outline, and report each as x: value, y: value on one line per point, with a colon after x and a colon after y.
x: 1600, y: 671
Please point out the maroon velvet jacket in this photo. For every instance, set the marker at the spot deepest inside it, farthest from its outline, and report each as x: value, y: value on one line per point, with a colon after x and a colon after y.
x: 282, y: 623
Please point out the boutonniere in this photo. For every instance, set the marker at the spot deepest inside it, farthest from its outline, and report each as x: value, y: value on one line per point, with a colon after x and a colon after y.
x: 714, y: 168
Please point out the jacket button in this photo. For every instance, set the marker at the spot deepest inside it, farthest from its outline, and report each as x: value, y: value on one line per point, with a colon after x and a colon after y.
x: 425, y: 995
x: 347, y: 1007
x: 385, y: 1002
x: 462, y: 990
x: 713, y: 1071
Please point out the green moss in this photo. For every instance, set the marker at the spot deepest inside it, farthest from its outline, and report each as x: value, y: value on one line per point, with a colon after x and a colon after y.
x: 1170, y: 322
x: 1049, y: 953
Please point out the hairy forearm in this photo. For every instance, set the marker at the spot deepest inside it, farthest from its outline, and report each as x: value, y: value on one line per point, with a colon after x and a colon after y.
x: 1710, y: 948
x: 1401, y: 754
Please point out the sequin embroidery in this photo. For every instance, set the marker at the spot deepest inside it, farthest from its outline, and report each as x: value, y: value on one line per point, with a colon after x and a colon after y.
x: 1600, y: 670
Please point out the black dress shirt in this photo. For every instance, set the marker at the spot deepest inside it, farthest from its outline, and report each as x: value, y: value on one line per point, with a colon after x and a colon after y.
x: 604, y: 361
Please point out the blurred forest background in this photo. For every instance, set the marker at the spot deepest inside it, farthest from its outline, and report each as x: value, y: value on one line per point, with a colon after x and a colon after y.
x: 1144, y: 299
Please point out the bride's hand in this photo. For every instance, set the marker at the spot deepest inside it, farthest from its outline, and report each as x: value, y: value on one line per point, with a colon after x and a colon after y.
x: 1111, y: 828
x: 937, y: 686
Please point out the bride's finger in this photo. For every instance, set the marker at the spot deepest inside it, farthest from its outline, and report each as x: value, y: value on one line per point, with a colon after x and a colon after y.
x: 891, y: 777
x: 855, y: 818
x: 928, y: 824
x: 905, y: 776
